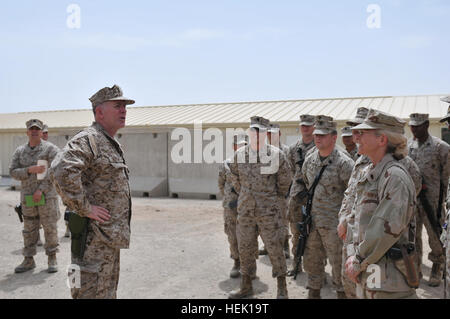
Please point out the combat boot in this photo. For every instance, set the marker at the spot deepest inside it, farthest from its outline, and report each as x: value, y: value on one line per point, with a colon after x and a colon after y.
x: 263, y: 251
x: 234, y: 273
x: 27, y: 264
x: 314, y: 294
x: 245, y: 291
x: 341, y: 295
x: 436, y: 275
x: 282, y: 292
x: 52, y: 264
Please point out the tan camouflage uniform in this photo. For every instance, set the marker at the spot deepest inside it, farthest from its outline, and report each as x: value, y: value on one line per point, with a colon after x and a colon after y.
x: 91, y: 170
x: 384, y: 209
x: 431, y: 158
x: 229, y: 214
x: 259, y: 209
x: 48, y: 214
x: 345, y: 214
x: 294, y: 208
x: 323, y: 240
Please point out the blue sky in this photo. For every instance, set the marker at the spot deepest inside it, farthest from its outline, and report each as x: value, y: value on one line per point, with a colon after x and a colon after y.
x: 183, y: 52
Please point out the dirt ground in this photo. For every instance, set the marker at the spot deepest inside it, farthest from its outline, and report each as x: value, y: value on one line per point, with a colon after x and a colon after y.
x: 178, y: 250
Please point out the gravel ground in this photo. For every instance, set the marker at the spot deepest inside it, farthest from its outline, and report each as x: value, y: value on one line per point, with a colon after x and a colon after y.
x: 178, y: 250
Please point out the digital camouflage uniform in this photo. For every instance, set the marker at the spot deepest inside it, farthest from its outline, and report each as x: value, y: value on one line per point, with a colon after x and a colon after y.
x: 431, y: 158
x: 91, y: 170
x: 46, y: 215
x: 446, y: 234
x: 323, y: 241
x: 294, y: 208
x: 258, y: 207
x: 229, y: 213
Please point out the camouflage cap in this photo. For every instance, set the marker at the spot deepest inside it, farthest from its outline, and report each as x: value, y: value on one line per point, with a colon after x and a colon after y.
x: 346, y: 131
x: 324, y: 127
x: 446, y: 100
x: 109, y: 94
x: 377, y: 120
x: 324, y: 118
x: 417, y: 119
x: 45, y: 129
x: 274, y: 128
x: 259, y: 122
x: 307, y: 120
x: 361, y: 114
x: 34, y: 122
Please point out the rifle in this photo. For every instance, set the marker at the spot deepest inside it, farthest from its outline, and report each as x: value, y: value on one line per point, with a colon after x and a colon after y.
x: 18, y: 210
x: 300, y: 164
x: 304, y: 227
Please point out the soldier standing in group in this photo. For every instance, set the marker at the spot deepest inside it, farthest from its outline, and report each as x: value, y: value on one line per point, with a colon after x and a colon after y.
x: 430, y: 154
x: 446, y: 234
x: 350, y: 145
x: 296, y: 156
x: 38, y: 197
x: 385, y: 200
x: 273, y: 137
x: 323, y: 241
x: 92, y: 177
x: 229, y: 203
x: 259, y: 187
x: 346, y: 219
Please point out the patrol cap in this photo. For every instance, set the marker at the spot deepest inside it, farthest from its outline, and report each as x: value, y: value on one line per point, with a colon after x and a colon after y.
x: 324, y: 118
x: 34, y: 122
x: 446, y: 100
x: 361, y: 114
x: 346, y: 131
x: 307, y: 120
x: 45, y: 129
x: 417, y: 119
x: 274, y: 128
x: 324, y: 127
x: 259, y: 122
x: 109, y: 94
x: 377, y: 120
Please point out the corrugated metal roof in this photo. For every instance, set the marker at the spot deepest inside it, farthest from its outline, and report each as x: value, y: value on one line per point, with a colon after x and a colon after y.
x: 235, y: 113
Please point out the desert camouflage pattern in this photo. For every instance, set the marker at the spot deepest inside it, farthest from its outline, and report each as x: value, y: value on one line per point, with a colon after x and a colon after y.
x: 328, y: 196
x: 100, y: 268
x: 225, y: 187
x: 113, y: 93
x: 447, y: 249
x: 229, y: 214
x: 431, y: 158
x: 259, y: 210
x: 91, y: 170
x: 329, y: 192
x: 48, y: 214
x: 294, y: 208
x: 293, y: 156
x: 354, y: 154
x: 346, y: 218
x: 24, y: 157
x: 345, y: 214
x: 384, y: 210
